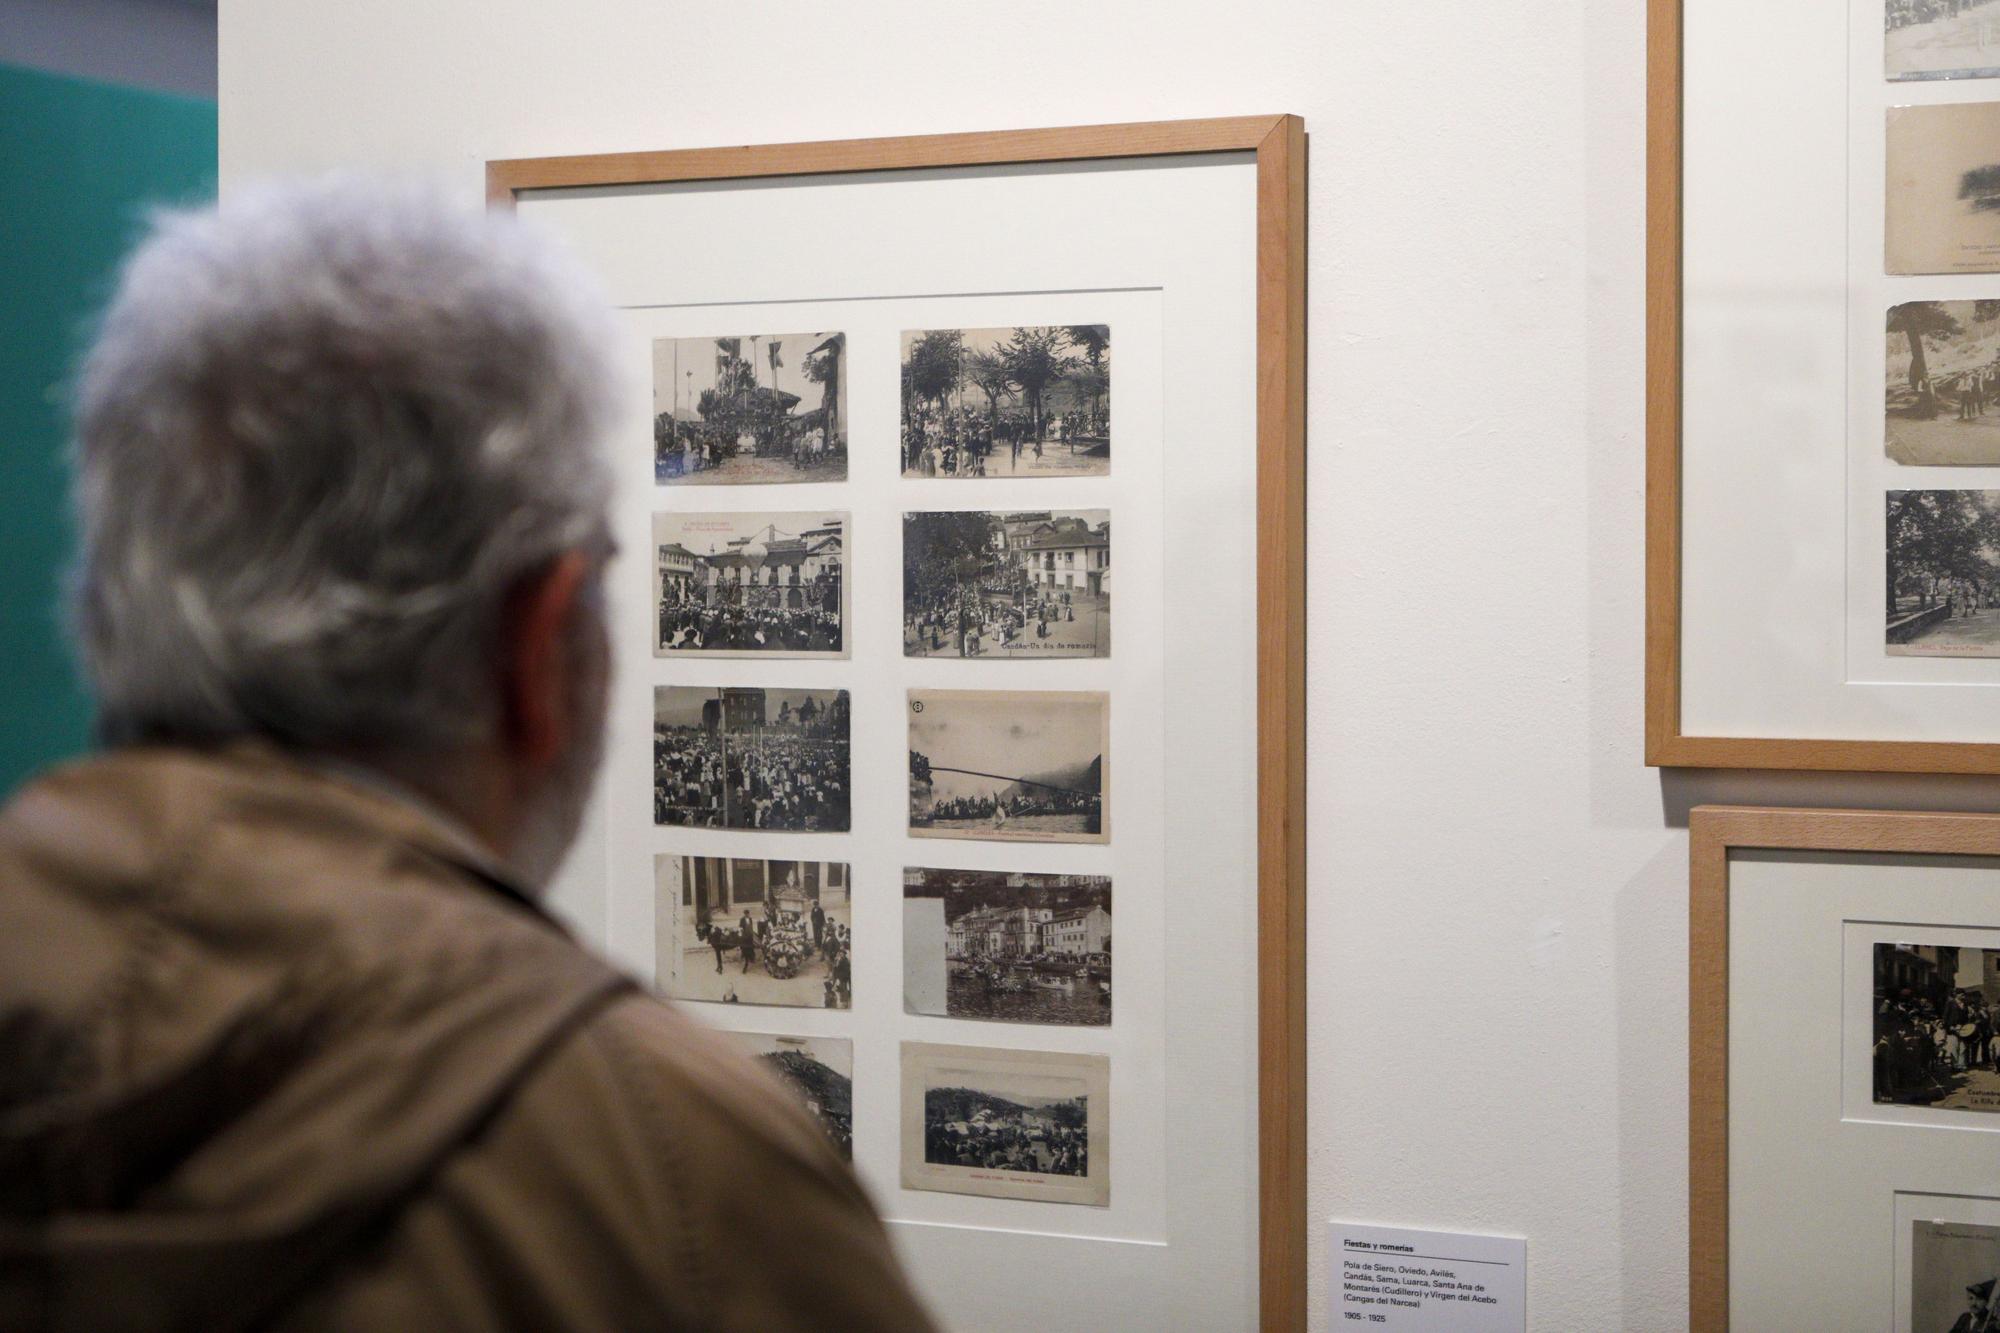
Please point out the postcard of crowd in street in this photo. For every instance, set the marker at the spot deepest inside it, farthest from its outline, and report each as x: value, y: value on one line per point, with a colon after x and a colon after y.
x: 1941, y: 39
x: 1943, y: 572
x: 751, y: 758
x: 1943, y: 183
x: 1023, y: 401
x: 818, y: 1071
x: 738, y: 930
x: 1007, y: 583
x: 761, y: 407
x: 759, y: 584
x: 1942, y: 389
x: 1935, y: 1012
x: 1006, y: 945
x: 1953, y: 1269
x: 1007, y: 1124
x: 1010, y: 765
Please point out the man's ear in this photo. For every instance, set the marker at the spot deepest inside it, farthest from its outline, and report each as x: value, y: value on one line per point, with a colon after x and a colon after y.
x: 537, y: 689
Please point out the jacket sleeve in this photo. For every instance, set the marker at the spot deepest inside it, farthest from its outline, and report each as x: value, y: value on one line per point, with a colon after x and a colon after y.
x: 762, y: 1226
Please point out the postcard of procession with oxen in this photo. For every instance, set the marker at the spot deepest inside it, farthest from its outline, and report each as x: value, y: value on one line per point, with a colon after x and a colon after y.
x: 739, y: 930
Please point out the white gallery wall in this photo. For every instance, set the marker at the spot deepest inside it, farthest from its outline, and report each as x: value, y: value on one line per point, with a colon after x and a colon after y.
x: 1498, y: 887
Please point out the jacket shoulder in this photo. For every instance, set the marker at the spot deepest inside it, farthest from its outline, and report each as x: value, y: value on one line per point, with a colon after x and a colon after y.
x: 771, y: 1228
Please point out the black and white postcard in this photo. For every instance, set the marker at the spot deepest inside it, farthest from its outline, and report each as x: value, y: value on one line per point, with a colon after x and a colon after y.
x: 1935, y: 1010
x: 1944, y: 188
x: 1007, y: 1124
x: 819, y: 1071
x: 1021, y: 401
x: 1010, y: 765
x: 744, y: 757
x: 1953, y: 1268
x: 1942, y: 389
x: 759, y: 407
x: 1007, y: 584
x: 1943, y: 589
x: 1020, y: 948
x: 738, y: 930
x: 762, y: 584
x: 1941, y: 39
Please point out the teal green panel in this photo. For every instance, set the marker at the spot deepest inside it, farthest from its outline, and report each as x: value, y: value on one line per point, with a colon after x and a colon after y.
x: 79, y: 164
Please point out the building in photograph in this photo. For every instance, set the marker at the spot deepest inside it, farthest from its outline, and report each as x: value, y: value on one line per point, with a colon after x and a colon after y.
x: 1077, y: 931
x: 768, y: 570
x: 1068, y: 559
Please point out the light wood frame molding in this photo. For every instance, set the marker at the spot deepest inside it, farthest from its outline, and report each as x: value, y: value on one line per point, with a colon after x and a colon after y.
x: 1714, y: 832
x: 1666, y: 745
x: 1279, y: 143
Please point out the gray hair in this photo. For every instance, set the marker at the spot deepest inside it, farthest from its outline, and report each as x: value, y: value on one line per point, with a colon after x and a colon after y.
x: 323, y: 431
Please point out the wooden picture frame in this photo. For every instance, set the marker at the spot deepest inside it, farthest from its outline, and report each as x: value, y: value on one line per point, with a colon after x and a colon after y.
x: 1714, y: 834
x: 1279, y: 145
x: 1666, y: 744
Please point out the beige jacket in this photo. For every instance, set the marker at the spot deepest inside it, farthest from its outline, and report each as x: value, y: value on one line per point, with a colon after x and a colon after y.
x: 278, y: 1050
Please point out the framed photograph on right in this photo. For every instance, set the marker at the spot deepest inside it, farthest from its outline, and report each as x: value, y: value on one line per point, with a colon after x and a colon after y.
x: 1844, y: 1151
x: 1823, y: 395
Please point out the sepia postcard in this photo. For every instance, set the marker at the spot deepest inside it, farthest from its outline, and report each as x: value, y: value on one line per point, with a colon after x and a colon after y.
x: 1941, y: 39
x: 1007, y: 945
x: 818, y: 1071
x: 1934, y: 1041
x: 1010, y: 765
x: 1943, y: 572
x: 762, y: 584
x: 744, y: 757
x: 758, y: 407
x: 1020, y: 401
x: 1953, y: 1268
x: 1007, y: 584
x: 1007, y: 1124
x: 1941, y: 391
x: 738, y: 930
x: 1943, y: 188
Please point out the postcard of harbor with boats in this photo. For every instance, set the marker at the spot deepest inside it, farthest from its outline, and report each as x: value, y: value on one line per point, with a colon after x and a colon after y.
x: 1008, y: 946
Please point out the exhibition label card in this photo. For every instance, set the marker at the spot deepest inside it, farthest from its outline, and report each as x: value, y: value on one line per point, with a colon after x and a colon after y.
x: 1428, y: 1281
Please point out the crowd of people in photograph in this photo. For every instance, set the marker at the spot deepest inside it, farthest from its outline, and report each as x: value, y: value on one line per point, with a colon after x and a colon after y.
x: 1921, y: 1047
x: 1017, y: 1141
x: 958, y: 443
x: 689, y: 625
x: 782, y: 777
x: 1906, y: 13
x: 999, y: 810
x: 970, y: 616
x: 684, y: 448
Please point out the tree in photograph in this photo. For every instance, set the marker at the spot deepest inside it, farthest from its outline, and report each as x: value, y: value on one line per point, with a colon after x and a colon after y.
x: 1918, y: 320
x: 1093, y: 340
x: 990, y: 372
x: 729, y: 402
x: 1035, y: 359
x: 944, y: 549
x: 1935, y: 538
x: 934, y: 365
x: 1982, y: 186
x: 822, y: 367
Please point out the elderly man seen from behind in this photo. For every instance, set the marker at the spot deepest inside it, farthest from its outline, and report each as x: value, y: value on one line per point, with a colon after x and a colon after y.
x: 288, y: 1041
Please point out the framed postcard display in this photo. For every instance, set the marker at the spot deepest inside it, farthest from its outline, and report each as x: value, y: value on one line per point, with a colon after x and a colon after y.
x: 1823, y: 385
x: 894, y: 406
x: 1844, y: 1070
